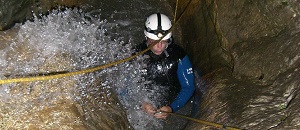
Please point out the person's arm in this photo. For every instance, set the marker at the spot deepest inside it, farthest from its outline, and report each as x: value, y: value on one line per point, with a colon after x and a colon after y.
x: 186, y: 79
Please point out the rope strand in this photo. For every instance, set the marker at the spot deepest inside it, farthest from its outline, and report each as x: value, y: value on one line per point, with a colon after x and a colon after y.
x: 68, y: 74
x: 203, y: 121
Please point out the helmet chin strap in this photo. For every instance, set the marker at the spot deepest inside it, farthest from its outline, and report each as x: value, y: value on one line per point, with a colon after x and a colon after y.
x: 169, y: 42
x: 166, y: 53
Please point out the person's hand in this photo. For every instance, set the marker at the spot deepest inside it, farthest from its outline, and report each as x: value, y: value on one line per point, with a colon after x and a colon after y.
x: 148, y: 108
x: 163, y: 115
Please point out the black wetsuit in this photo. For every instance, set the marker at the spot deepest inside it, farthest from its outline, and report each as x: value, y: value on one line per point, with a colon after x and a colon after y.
x: 172, y: 73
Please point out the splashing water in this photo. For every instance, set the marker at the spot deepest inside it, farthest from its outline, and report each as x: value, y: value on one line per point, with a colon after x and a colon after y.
x: 68, y: 40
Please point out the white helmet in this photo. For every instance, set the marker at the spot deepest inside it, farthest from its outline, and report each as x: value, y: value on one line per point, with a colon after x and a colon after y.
x: 157, y: 25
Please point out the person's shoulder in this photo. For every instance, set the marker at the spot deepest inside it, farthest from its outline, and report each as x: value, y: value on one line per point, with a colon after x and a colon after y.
x: 177, y: 50
x: 176, y: 47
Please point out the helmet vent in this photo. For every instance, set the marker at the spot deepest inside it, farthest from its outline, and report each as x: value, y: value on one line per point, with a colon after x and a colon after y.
x: 159, y: 28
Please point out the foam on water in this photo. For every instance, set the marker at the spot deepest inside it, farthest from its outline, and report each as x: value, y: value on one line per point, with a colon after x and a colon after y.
x: 69, y: 40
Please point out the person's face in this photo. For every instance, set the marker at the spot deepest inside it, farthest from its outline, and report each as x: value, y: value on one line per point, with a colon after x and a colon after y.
x: 159, y: 47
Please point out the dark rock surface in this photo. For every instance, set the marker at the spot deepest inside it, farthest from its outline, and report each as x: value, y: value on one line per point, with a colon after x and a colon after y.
x: 249, y: 52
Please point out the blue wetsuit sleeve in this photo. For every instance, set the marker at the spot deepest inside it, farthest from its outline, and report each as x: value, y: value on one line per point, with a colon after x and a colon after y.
x: 186, y: 79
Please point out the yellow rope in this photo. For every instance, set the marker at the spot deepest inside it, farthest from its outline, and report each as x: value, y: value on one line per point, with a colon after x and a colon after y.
x: 202, y: 121
x: 68, y: 74
x: 175, y: 13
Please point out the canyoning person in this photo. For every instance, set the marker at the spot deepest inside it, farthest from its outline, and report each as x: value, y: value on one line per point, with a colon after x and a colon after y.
x: 168, y: 68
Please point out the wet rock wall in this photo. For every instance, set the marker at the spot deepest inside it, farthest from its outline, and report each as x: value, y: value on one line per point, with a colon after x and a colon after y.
x: 249, y: 53
x: 15, y: 11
